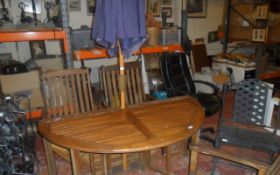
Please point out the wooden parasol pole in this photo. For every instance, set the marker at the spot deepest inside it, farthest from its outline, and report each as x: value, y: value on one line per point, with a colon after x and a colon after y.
x: 122, y: 77
x: 122, y: 94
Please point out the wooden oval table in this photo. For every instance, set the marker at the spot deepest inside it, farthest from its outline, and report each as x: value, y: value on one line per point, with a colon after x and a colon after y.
x: 138, y: 128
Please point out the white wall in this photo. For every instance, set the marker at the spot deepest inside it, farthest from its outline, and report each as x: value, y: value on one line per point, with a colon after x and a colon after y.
x: 199, y: 27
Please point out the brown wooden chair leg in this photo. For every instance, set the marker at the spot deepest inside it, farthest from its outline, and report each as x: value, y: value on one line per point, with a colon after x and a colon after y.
x: 146, y: 158
x: 125, y: 162
x: 50, y: 157
x: 106, y: 164
x: 194, y: 154
x: 75, y: 162
x: 193, y: 162
x: 262, y: 171
x: 92, y: 163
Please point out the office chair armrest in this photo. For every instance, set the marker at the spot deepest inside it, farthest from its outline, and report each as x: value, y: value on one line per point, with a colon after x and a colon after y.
x: 213, y: 86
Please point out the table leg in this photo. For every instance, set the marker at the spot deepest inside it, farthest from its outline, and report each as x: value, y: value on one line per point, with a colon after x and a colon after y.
x: 75, y: 161
x: 194, y: 154
x: 169, y: 158
x: 50, y: 157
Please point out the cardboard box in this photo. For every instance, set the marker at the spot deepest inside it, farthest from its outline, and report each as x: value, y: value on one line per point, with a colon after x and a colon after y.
x: 23, y: 83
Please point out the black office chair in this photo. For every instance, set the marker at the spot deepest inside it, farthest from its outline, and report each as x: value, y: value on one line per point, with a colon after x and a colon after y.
x: 178, y: 81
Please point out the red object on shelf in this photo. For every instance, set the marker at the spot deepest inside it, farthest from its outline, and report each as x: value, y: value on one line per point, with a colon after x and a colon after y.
x: 36, y: 114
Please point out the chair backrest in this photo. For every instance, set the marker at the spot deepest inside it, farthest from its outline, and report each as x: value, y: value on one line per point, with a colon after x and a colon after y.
x: 134, y: 90
x: 251, y: 101
x: 67, y: 92
x: 199, y: 57
x: 176, y: 74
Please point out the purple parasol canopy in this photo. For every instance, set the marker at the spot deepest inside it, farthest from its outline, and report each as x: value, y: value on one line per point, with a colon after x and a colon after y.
x: 120, y: 21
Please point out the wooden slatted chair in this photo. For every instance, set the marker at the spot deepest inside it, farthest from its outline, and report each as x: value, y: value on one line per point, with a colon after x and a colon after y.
x: 134, y: 91
x: 67, y: 93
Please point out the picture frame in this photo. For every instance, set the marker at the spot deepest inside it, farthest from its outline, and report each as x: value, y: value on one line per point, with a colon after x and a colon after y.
x: 37, y: 49
x: 91, y: 7
x: 259, y: 34
x: 166, y: 2
x: 261, y: 12
x: 168, y: 11
x: 197, y: 8
x: 213, y: 36
x: 154, y: 7
x: 74, y: 5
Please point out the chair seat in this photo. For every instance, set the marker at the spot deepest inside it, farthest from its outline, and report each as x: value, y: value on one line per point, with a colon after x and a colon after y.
x: 249, y: 138
x: 211, y: 103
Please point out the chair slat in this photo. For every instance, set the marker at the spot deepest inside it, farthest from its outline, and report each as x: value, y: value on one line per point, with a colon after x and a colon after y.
x: 129, y: 87
x: 116, y: 96
x: 109, y: 85
x: 139, y: 86
x: 75, y: 96
x: 134, y: 88
x: 85, y: 92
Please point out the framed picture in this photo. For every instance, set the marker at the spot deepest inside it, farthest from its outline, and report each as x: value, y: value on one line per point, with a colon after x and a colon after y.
x: 37, y: 49
x: 167, y: 11
x: 197, y: 8
x: 91, y: 7
x: 261, y: 12
x: 74, y: 5
x: 166, y: 2
x: 259, y: 34
x: 213, y: 36
x: 153, y: 7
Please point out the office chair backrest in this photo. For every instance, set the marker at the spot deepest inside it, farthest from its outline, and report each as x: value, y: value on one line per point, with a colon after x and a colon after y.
x: 67, y: 92
x: 134, y: 90
x: 176, y: 74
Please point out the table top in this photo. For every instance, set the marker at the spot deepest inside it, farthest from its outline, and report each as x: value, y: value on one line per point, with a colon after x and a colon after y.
x: 138, y: 128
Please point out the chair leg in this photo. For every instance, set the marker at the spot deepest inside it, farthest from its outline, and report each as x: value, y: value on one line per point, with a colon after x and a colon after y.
x: 50, y: 158
x: 262, y: 171
x: 193, y: 162
x: 125, y: 162
x: 92, y: 163
x: 75, y: 162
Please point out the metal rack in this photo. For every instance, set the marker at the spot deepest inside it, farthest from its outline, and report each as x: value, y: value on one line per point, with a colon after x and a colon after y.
x: 63, y: 34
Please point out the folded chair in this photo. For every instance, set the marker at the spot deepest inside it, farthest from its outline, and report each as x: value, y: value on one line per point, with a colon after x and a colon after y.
x: 246, y: 127
x: 178, y: 81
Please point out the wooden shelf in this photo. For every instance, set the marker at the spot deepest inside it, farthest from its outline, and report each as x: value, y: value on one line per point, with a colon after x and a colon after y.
x: 97, y: 53
x: 32, y: 35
